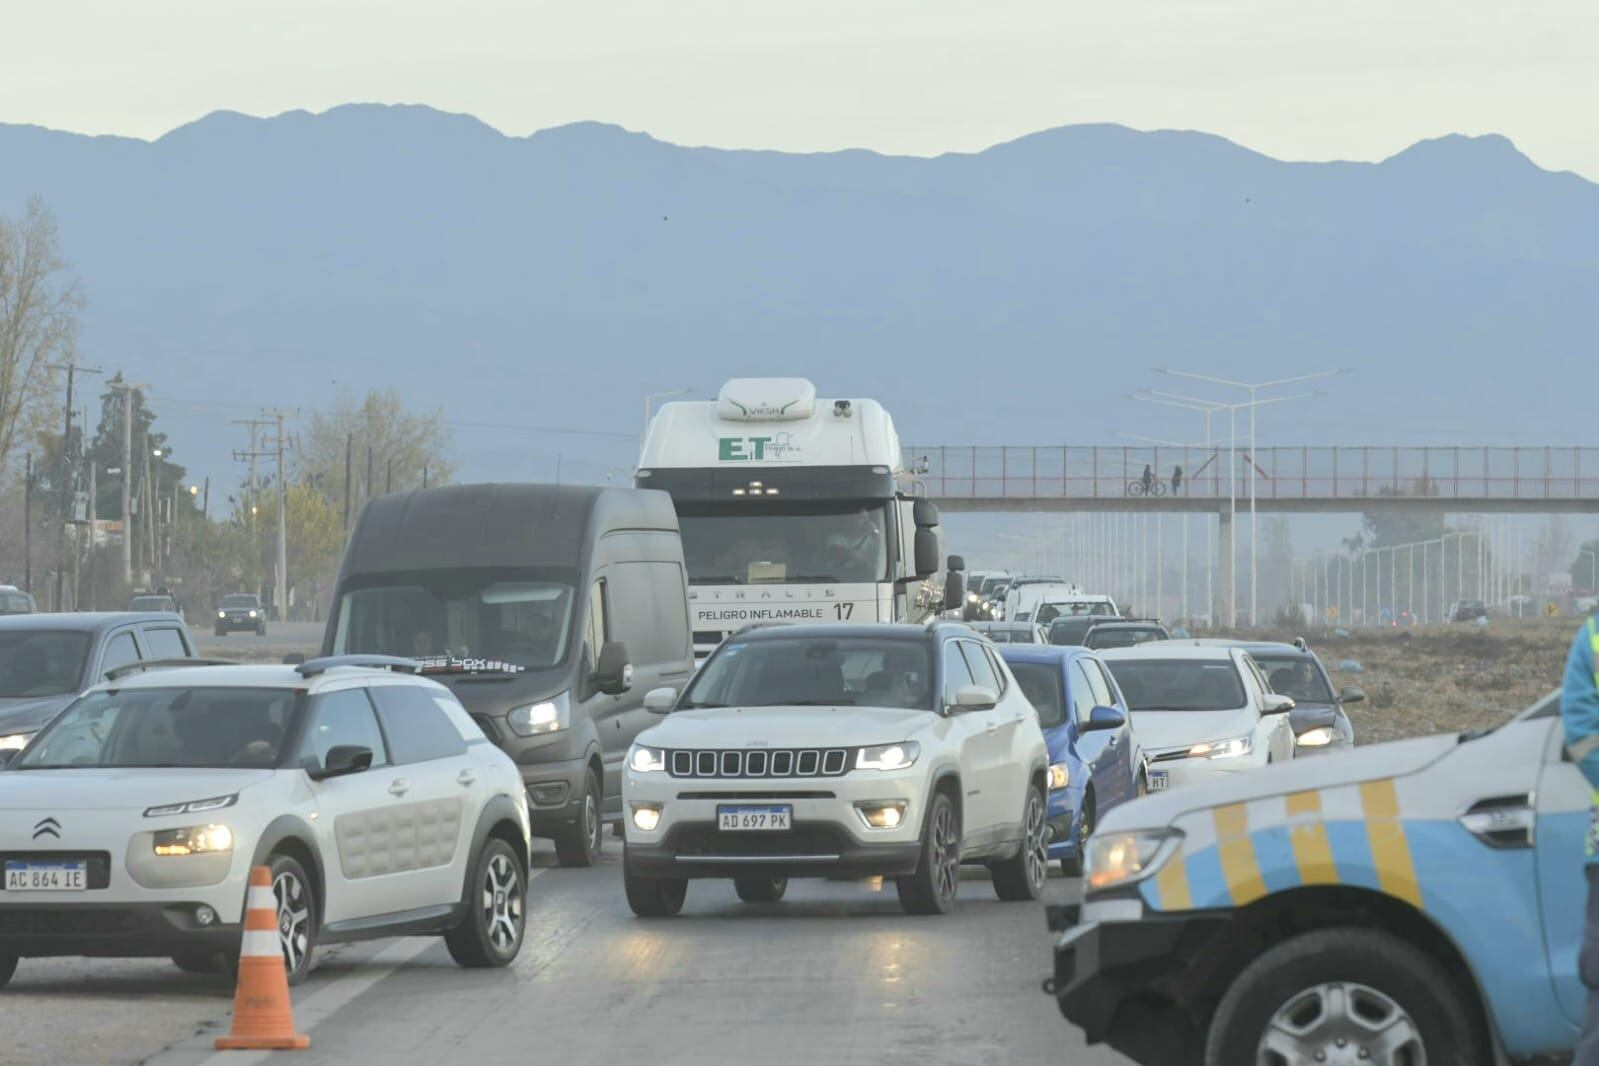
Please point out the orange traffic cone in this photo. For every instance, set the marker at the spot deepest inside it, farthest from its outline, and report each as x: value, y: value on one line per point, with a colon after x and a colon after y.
x: 262, y: 1016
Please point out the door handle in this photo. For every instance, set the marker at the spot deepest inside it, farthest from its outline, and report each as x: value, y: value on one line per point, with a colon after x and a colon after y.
x: 399, y: 787
x: 466, y: 777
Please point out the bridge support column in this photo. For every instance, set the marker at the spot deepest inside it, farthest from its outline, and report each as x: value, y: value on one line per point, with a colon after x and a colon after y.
x: 1224, y: 609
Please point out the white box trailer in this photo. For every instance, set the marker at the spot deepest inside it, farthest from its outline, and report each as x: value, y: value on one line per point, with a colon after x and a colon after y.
x: 794, y: 509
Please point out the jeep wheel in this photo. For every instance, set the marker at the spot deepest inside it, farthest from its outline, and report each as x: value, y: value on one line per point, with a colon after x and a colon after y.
x: 653, y: 897
x: 931, y: 889
x: 1072, y: 865
x: 1336, y: 995
x: 579, y: 843
x: 491, y: 933
x: 1021, y: 878
x: 760, y: 889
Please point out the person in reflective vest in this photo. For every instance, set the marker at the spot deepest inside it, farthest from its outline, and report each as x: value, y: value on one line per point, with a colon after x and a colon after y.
x: 1579, y: 712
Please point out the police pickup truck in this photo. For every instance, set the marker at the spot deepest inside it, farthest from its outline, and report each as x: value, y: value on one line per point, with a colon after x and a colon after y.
x: 1415, y: 902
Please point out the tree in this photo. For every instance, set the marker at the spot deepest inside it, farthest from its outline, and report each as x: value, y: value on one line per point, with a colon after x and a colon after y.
x: 397, y: 447
x: 39, y: 305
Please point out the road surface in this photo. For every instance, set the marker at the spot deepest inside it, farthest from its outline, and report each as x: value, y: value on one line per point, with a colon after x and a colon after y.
x: 834, y: 974
x: 281, y: 639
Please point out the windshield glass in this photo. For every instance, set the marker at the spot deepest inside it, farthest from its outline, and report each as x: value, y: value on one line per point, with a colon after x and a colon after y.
x: 15, y: 603
x: 1294, y: 676
x: 167, y: 727
x: 35, y: 662
x: 241, y: 600
x: 1070, y: 630
x: 1042, y: 686
x: 1179, y: 684
x: 1118, y: 637
x: 468, y: 620
x: 798, y: 543
x: 824, y: 672
x: 1048, y: 612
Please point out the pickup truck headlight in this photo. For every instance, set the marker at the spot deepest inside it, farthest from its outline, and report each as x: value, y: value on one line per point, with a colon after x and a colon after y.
x: 1123, y: 858
x: 1223, y: 749
x: 1319, y: 737
x: 546, y: 716
x: 644, y: 760
x: 888, y: 756
x: 193, y: 840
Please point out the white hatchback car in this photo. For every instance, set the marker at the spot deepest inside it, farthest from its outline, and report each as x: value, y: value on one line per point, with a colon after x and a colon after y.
x: 131, y: 822
x: 1200, y: 712
x: 825, y: 751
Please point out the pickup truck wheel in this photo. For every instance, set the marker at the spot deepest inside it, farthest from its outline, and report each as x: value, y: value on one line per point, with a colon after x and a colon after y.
x: 1021, y: 879
x: 8, y: 966
x: 579, y: 843
x: 931, y: 889
x: 1349, y: 994
x: 653, y: 897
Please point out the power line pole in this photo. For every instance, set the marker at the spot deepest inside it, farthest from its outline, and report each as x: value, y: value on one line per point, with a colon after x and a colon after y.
x: 127, y: 389
x: 349, y: 449
x: 27, y: 527
x: 281, y: 592
x: 250, y: 496
x: 69, y: 469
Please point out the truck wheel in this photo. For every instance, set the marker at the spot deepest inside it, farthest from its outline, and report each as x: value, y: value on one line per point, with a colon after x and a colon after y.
x: 579, y: 844
x: 931, y: 889
x: 653, y: 897
x: 760, y: 889
x: 8, y: 966
x: 1343, y: 994
x: 1021, y: 879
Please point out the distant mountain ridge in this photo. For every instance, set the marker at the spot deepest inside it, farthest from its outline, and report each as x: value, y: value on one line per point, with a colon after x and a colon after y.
x: 1010, y: 295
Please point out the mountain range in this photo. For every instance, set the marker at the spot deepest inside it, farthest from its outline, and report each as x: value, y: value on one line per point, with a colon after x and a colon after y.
x: 536, y: 288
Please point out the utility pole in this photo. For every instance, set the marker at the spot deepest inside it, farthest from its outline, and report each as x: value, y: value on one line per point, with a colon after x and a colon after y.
x: 94, y: 596
x: 250, y: 507
x: 280, y: 593
x: 349, y: 449
x: 69, y: 469
x: 127, y: 389
x: 27, y: 527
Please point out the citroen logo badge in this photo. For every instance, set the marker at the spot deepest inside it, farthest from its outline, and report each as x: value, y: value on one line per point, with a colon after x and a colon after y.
x: 47, y: 827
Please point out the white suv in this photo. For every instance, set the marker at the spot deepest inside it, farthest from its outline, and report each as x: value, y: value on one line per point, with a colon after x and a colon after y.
x: 133, y: 819
x: 824, y: 751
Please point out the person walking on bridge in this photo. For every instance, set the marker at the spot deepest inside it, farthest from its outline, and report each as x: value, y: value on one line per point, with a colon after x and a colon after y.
x: 1579, y: 713
x: 1148, y: 480
x: 1176, y: 479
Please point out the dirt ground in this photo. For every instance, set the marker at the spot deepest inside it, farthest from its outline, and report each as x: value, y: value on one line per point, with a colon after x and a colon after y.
x: 1442, y: 679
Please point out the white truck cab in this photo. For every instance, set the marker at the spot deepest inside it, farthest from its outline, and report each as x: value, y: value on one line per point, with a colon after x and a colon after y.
x: 794, y: 509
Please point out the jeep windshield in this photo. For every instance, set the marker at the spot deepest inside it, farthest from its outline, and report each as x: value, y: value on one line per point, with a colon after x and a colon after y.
x: 167, y: 727
x: 461, y: 621
x: 41, y: 662
x: 768, y: 542
x: 815, y: 672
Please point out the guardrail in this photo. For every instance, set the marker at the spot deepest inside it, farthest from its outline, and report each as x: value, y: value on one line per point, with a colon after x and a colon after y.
x: 1306, y: 473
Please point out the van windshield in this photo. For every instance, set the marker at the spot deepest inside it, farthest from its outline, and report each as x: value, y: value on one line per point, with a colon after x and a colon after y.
x: 471, y: 620
x: 776, y: 543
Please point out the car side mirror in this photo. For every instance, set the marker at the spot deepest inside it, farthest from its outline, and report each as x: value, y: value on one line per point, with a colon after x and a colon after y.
x: 341, y: 759
x: 1276, y: 703
x: 660, y: 700
x: 613, y: 671
x: 1351, y: 694
x: 954, y: 590
x: 975, y: 698
x: 1104, y: 718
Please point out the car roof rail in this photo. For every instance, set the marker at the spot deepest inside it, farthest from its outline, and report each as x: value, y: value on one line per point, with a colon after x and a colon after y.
x: 117, y: 673
x: 393, y: 663
x: 1299, y: 642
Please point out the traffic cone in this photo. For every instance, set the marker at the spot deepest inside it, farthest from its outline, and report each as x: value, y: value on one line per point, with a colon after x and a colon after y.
x: 262, y: 1015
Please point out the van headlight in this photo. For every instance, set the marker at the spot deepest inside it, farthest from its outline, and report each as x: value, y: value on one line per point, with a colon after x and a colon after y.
x: 888, y: 756
x: 546, y: 716
x: 1123, y: 858
x: 1224, y: 749
x: 644, y: 760
x: 193, y: 840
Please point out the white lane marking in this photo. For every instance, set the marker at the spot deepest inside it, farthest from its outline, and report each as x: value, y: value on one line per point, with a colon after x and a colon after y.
x: 328, y: 1000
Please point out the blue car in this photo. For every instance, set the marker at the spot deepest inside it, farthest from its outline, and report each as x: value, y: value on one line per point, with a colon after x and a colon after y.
x: 1095, y: 760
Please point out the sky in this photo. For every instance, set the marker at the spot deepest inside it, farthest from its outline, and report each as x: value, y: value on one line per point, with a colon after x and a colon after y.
x: 1307, y: 79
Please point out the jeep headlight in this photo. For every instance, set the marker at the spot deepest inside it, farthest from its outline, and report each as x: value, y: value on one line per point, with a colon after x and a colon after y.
x: 546, y: 716
x: 193, y: 840
x: 1123, y: 858
x: 888, y: 756
x: 644, y: 760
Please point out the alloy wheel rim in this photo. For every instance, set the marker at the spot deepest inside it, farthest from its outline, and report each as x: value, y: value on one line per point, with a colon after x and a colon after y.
x: 946, y: 856
x: 591, y: 821
x: 502, y: 904
x: 1037, y: 845
x: 1341, y: 1023
x: 294, y: 919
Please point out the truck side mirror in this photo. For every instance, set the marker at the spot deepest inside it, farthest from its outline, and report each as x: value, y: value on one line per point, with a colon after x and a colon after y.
x: 955, y: 562
x: 925, y: 515
x: 927, y: 553
x: 613, y: 671
x: 954, y: 590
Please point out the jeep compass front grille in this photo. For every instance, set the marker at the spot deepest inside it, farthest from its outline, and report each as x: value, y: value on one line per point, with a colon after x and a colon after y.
x: 759, y: 762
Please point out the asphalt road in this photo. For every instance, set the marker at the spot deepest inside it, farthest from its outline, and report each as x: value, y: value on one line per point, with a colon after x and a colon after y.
x: 281, y: 639
x: 835, y: 974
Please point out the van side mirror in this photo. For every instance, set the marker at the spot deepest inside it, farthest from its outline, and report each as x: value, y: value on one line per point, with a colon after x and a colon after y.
x: 954, y: 590
x: 613, y: 671
x: 1104, y: 718
x: 1276, y: 703
x: 927, y: 553
x: 1351, y: 694
x: 341, y: 759
x: 660, y: 700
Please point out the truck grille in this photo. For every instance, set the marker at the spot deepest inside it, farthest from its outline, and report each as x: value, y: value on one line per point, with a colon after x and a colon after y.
x: 759, y: 762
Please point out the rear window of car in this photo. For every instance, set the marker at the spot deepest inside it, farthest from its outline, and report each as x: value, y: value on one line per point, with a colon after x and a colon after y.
x: 1179, y: 684
x: 1070, y: 631
x: 1041, y: 684
x: 1122, y: 638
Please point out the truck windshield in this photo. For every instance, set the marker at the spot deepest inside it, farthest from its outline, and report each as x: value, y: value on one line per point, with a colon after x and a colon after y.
x: 473, y: 620
x: 40, y: 662
x: 775, y: 543
x: 815, y: 672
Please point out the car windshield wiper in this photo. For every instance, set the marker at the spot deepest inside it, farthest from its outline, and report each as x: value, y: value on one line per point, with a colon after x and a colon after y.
x: 810, y: 703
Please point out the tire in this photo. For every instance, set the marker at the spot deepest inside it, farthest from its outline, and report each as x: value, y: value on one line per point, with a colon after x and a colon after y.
x: 1303, y: 982
x: 579, y: 844
x: 760, y: 889
x: 653, y: 897
x: 8, y: 966
x: 931, y: 889
x: 208, y: 963
x: 260, y: 630
x: 296, y: 897
x: 1073, y: 866
x: 221, y: 632
x: 1021, y: 879
x: 496, y: 903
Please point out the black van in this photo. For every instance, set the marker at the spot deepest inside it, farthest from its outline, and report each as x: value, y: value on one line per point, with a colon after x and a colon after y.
x: 549, y: 610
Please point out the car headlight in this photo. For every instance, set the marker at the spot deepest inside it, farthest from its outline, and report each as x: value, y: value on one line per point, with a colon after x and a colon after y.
x: 1122, y: 858
x: 646, y: 760
x: 222, y: 614
x: 252, y: 614
x: 546, y: 716
x: 194, y: 840
x: 888, y: 756
x: 15, y: 742
x: 210, y: 803
x: 1059, y: 776
x: 1319, y: 737
x: 1223, y: 749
